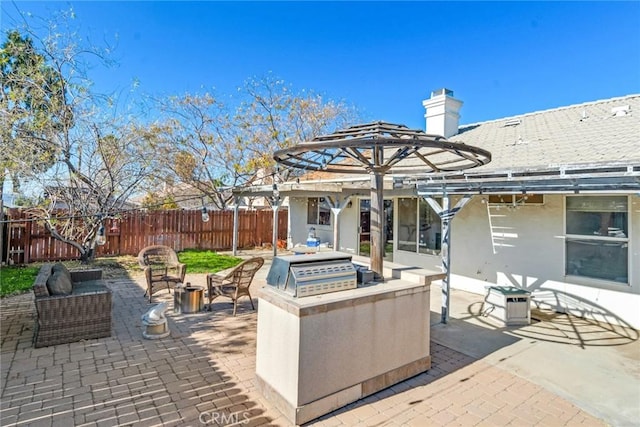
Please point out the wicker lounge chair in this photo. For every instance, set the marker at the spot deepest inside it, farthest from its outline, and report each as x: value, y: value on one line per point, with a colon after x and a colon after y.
x: 82, y: 311
x: 234, y: 283
x: 161, y: 266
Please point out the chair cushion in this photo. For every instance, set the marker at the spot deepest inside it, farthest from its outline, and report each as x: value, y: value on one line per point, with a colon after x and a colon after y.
x: 58, y: 266
x: 59, y: 284
x: 89, y: 287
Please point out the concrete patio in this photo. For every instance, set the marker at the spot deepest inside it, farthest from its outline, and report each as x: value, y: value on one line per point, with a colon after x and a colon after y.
x: 558, y: 371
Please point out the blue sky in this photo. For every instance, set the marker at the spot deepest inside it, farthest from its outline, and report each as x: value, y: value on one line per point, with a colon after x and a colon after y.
x: 499, y: 58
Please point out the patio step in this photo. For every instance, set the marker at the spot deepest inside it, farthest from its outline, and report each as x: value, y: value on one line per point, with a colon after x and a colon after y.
x: 393, y: 270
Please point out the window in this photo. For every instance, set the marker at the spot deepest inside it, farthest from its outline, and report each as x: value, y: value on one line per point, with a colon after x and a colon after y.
x: 407, y: 224
x: 419, y: 228
x: 597, y: 237
x: 317, y: 211
x: 429, y: 229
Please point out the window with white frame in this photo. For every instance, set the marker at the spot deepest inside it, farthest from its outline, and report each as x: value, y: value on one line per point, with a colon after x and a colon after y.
x: 317, y: 211
x: 419, y: 228
x: 597, y: 237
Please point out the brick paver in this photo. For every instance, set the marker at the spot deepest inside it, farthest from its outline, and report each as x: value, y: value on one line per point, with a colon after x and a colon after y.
x: 203, y: 374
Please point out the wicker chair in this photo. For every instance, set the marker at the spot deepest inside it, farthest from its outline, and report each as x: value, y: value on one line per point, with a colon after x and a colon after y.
x: 235, y: 283
x: 161, y: 266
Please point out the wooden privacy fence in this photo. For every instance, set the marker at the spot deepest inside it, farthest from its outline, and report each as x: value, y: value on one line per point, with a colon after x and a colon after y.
x: 28, y: 241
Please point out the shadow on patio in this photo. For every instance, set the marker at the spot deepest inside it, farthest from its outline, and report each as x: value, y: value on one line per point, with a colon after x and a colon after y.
x: 203, y: 374
x: 574, y: 357
x: 126, y: 379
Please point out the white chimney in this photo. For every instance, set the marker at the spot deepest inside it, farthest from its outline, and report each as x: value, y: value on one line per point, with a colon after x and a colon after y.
x: 442, y: 113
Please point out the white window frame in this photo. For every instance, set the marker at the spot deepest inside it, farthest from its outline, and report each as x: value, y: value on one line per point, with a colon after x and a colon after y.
x: 322, y: 208
x: 588, y: 280
x: 418, y: 248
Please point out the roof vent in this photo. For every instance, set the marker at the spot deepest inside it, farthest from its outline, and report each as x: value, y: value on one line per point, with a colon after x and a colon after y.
x: 585, y: 116
x: 621, y: 111
x: 512, y: 122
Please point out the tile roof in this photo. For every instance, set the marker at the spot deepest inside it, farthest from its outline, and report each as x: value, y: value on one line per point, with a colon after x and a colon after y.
x: 589, y: 133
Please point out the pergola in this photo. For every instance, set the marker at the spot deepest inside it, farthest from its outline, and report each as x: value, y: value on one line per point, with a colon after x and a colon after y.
x: 378, y: 149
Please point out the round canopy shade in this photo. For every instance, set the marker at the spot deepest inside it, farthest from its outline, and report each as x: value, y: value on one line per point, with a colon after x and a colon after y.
x: 379, y: 148
x: 382, y: 147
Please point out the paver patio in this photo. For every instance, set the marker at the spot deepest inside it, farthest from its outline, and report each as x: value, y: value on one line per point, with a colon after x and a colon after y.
x: 203, y: 374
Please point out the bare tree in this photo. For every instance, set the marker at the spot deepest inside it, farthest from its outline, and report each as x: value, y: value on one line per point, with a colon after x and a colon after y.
x: 272, y: 117
x: 212, y: 147
x: 84, y: 158
x: 190, y: 137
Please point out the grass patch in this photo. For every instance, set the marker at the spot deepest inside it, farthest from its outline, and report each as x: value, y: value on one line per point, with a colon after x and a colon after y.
x: 19, y: 279
x: 206, y: 261
x: 365, y: 248
x: 15, y: 280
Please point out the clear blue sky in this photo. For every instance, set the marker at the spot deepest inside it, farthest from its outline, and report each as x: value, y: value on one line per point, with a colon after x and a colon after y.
x: 500, y: 58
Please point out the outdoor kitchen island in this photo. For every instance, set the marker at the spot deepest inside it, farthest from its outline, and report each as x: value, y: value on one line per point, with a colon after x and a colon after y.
x: 318, y: 353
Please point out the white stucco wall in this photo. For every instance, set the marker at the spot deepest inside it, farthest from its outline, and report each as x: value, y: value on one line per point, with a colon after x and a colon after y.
x: 298, y: 227
x: 531, y: 256
x: 527, y: 251
x: 349, y: 218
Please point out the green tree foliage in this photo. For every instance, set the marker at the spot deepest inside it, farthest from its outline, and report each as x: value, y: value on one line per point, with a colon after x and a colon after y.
x: 155, y: 202
x: 32, y: 103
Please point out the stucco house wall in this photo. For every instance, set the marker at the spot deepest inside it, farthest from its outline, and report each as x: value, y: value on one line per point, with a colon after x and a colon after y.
x: 531, y: 256
x: 349, y: 223
x: 299, y: 229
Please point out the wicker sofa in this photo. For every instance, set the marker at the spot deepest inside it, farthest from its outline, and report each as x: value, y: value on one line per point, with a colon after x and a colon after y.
x: 70, y: 305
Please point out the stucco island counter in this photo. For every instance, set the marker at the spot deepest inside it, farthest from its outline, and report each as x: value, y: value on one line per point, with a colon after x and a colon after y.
x: 318, y: 353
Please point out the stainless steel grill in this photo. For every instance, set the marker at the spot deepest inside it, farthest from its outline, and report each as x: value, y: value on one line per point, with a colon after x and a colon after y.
x: 314, y: 274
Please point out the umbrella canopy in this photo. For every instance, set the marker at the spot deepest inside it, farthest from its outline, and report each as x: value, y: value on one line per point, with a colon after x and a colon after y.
x: 379, y: 148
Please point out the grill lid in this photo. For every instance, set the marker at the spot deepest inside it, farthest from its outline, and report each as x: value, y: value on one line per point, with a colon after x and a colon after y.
x: 304, y: 275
